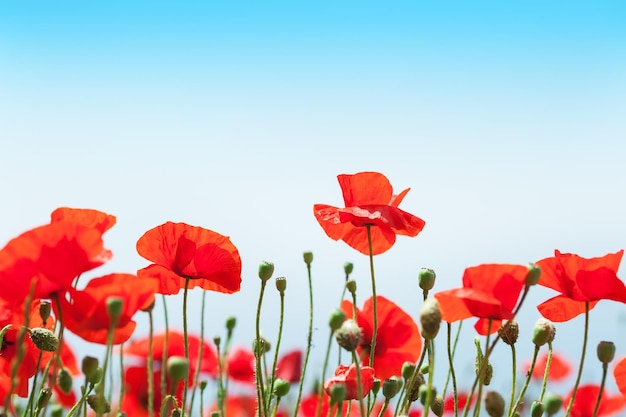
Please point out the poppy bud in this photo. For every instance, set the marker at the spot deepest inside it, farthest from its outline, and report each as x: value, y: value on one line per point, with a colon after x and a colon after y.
x: 552, y: 403
x: 494, y: 404
x: 98, y: 403
x: 351, y: 286
x: 44, y: 397
x: 261, y: 346
x: 281, y: 387
x: 44, y: 310
x: 376, y: 386
x: 424, y: 369
x: 509, y: 332
x: 266, y: 269
x: 308, y: 257
x: 216, y: 414
x: 281, y: 285
x: 176, y: 412
x: 543, y: 332
x: 336, y: 319
x: 337, y: 392
x: 348, y: 336
x: 426, y: 279
x: 606, y: 352
x: 391, y: 386
x: 64, y: 380
x: 56, y: 411
x: 423, y: 393
x: 217, y: 340
x: 348, y: 267
x: 89, y: 366
x: 536, y: 409
x: 414, y: 389
x: 430, y: 317
x: 533, y: 275
x: 177, y: 368
x: 407, y: 370
x: 203, y: 385
x: 436, y: 405
x: 114, y: 307
x: 231, y: 322
x: 44, y: 339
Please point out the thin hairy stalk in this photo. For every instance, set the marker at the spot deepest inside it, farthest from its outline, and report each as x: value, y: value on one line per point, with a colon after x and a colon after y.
x: 431, y: 371
x: 359, y: 388
x: 150, y: 366
x: 186, y: 343
x: 165, y: 349
x: 375, y: 322
x: 257, y: 356
x: 526, y: 383
x: 598, y: 400
x: 384, y: 407
x: 582, y: 360
x: 31, y: 397
x: 109, y: 352
x: 200, y: 352
x: 309, y: 340
x: 320, y: 393
x: 451, y: 373
x: 220, y: 381
x: 513, y: 378
x: 121, y: 376
x: 546, y: 373
x: 404, y: 409
x: 278, y: 339
x: 81, y: 401
x: 481, y: 376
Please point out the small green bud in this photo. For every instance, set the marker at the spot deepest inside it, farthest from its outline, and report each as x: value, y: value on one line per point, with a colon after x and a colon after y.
x: 44, y: 310
x: 423, y: 393
x: 424, y: 369
x: 351, y: 286
x: 231, y: 322
x: 436, y: 405
x: 536, y: 409
x: 217, y: 340
x: 176, y: 412
x: 281, y: 387
x: 308, y: 257
x: 177, y: 368
x: 376, y: 386
x: 430, y: 317
x: 203, y: 385
x: 44, y: 397
x: 337, y: 392
x: 336, y: 319
x: 543, y: 332
x: 408, y: 368
x: 281, y: 284
x: 494, y: 404
x: 426, y: 279
x: 348, y: 267
x: 64, y: 380
x: 348, y: 336
x: 261, y: 346
x: 96, y: 377
x: 552, y: 403
x: 606, y: 352
x: 413, y: 391
x: 391, y: 386
x: 533, y: 275
x: 98, y: 403
x: 266, y: 269
x: 114, y: 307
x: 56, y: 411
x: 509, y: 332
x: 44, y: 339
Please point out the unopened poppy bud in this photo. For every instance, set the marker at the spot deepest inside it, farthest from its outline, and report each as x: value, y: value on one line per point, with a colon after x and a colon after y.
x: 426, y: 279
x: 44, y: 310
x: 89, y: 366
x: 96, y: 377
x: 351, y: 286
x: 176, y: 412
x: 436, y: 405
x: 494, y: 404
x: 281, y: 387
x: 217, y: 340
x: 64, y: 381
x: 376, y: 386
x: 261, y: 346
x: 44, y: 339
x: 533, y: 275
x: 348, y: 267
x: 216, y: 414
x: 98, y: 403
x: 337, y: 392
x: 266, y: 269
x: 114, y: 307
x: 177, y: 368
x: 606, y: 352
x: 408, y: 368
x: 336, y: 319
x: 231, y: 322
x: 430, y: 317
x: 552, y: 403
x: 391, y: 386
x: 424, y: 369
x: 423, y: 393
x: 308, y: 257
x: 281, y: 284
x: 348, y: 336
x: 413, y: 391
x: 543, y: 332
x: 56, y: 411
x: 536, y: 409
x: 488, y: 374
x: 203, y: 385
x: 44, y: 397
x: 509, y: 332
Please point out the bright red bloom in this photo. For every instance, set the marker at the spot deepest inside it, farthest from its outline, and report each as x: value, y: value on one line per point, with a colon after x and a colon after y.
x: 289, y: 366
x: 241, y: 364
x: 580, y: 281
x: 398, y: 338
x: 309, y: 404
x: 559, y: 367
x: 347, y: 375
x: 369, y: 200
x: 135, y: 399
x: 448, y: 402
x: 93, y: 219
x: 586, y: 398
x: 85, y: 314
x: 180, y: 251
x: 489, y: 291
x: 619, y: 372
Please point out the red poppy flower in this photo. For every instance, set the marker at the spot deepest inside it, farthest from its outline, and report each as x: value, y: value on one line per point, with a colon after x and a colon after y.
x: 619, y: 372
x: 398, y: 338
x: 52, y: 256
x: 86, y: 315
x: 93, y: 219
x: 240, y: 406
x: 347, y: 375
x: 489, y: 291
x: 586, y: 398
x: 448, y: 402
x: 559, y: 367
x: 289, y: 366
x: 580, y: 281
x: 309, y: 404
x: 241, y: 364
x: 180, y: 251
x: 369, y: 200
x: 135, y: 399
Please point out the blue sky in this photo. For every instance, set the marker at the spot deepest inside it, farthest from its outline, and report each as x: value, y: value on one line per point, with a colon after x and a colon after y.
x: 505, y: 118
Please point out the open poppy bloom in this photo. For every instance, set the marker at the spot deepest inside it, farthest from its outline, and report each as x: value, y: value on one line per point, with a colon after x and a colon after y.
x: 489, y: 292
x: 347, y: 375
x: 369, y: 201
x: 580, y: 281
x: 559, y: 367
x: 586, y: 398
x: 398, y: 338
x: 180, y: 251
x: 93, y: 219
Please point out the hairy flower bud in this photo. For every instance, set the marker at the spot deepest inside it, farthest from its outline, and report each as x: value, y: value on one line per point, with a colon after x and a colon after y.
x: 64, y: 380
x: 44, y: 397
x: 509, y: 332
x: 424, y: 390
x: 177, y: 368
x: 543, y: 332
x: 308, y: 257
x: 494, y: 404
x: 426, y: 279
x: 533, y: 275
x: 266, y: 269
x: 391, y: 386
x: 407, y: 370
x: 436, y: 405
x: 44, y: 310
x: 336, y: 319
x: 430, y: 317
x: 606, y: 352
x: 281, y: 387
x: 44, y: 339
x: 536, y: 409
x: 348, y: 267
x: 413, y: 390
x: 552, y: 403
x: 348, y: 336
x: 351, y: 286
x: 98, y: 403
x: 281, y: 284
x: 261, y: 346
x: 376, y: 386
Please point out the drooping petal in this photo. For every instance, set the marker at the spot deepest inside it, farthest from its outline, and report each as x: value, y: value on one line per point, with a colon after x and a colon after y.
x: 93, y: 219
x: 601, y: 284
x: 365, y: 188
x: 562, y: 308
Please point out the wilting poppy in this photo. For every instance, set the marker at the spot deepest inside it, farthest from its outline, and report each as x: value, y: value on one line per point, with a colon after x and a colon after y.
x: 369, y: 201
x: 585, y: 402
x: 93, y: 219
x: 86, y: 314
x: 489, y: 292
x: 348, y: 376
x: 398, y: 338
x: 580, y: 281
x: 180, y: 251
x: 559, y: 367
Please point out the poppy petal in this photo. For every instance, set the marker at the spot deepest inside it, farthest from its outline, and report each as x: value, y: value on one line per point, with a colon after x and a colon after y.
x: 562, y: 308
x: 365, y: 188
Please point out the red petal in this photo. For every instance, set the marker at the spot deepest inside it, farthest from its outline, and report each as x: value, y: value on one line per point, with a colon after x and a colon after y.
x: 562, y: 308
x: 620, y: 375
x: 365, y: 188
x: 90, y: 218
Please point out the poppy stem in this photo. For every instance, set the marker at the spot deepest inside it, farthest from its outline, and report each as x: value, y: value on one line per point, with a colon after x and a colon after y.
x: 200, y: 352
x: 165, y: 349
x: 375, y: 321
x: 513, y: 378
x: 150, y: 366
x: 582, y: 360
x: 484, y: 365
x: 320, y: 394
x: 526, y: 383
x: 546, y: 372
x: 431, y: 368
x: 258, y: 348
x: 186, y: 342
x: 278, y: 339
x: 359, y: 387
x: 309, y: 339
x: 451, y: 373
x: 597, y: 407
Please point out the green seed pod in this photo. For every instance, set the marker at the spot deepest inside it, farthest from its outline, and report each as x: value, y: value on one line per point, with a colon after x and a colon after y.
x: 56, y: 411
x: 426, y: 279
x: 281, y: 284
x: 509, y: 332
x: 336, y: 319
x: 494, y: 404
x: 98, y: 403
x: 348, y: 267
x: 231, y: 322
x: 44, y: 397
x: 177, y: 368
x: 44, y: 310
x: 536, y: 409
x: 308, y: 257
x: 351, y: 286
x: 606, y: 352
x: 423, y: 393
x: 44, y: 339
x: 436, y: 405
x: 391, y: 386
x: 266, y: 269
x: 64, y: 380
x: 552, y: 403
x: 407, y: 370
x: 281, y: 387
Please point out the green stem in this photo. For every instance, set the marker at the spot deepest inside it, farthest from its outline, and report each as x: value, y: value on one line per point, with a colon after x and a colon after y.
x: 31, y: 397
x: 150, y: 366
x: 451, y: 369
x: 200, y: 352
x: 165, y: 349
x: 257, y: 356
x: 119, y: 407
x: 483, y: 369
x: 375, y: 323
x: 582, y: 360
x: 81, y: 401
x: 431, y: 370
x: 546, y: 373
x: 309, y: 340
x: 186, y: 342
x: 359, y: 387
x: 513, y: 378
x: 597, y: 407
x: 279, y: 338
x: 384, y: 408
x: 526, y: 383
x: 320, y: 394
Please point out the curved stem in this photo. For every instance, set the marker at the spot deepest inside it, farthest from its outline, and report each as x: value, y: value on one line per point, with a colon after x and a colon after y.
x: 597, y: 407
x: 546, y: 373
x: 165, y: 349
x: 196, y: 374
x: 186, y: 342
x: 280, y: 335
x: 375, y: 322
x: 320, y: 394
x: 451, y: 369
x: 359, y: 387
x: 582, y: 360
x: 526, y: 383
x: 309, y: 340
x: 150, y: 366
x: 513, y: 378
x: 260, y: 387
x: 483, y: 368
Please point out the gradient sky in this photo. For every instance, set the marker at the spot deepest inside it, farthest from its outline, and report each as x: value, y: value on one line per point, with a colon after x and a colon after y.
x: 506, y: 119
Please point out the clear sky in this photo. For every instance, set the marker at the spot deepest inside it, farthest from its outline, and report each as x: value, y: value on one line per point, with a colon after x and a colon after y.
x: 506, y: 119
